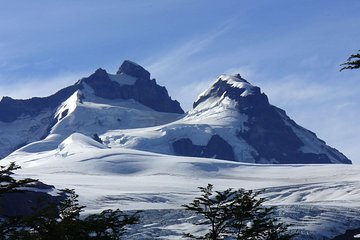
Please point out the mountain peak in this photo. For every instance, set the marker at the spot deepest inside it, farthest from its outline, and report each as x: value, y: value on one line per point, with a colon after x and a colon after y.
x: 6, y: 99
x: 232, y: 86
x: 237, y: 78
x: 133, y: 69
x: 238, y: 82
x: 132, y: 81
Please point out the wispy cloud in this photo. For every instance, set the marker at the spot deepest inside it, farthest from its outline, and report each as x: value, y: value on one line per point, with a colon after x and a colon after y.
x: 301, y: 89
x: 170, y: 61
x: 184, y: 68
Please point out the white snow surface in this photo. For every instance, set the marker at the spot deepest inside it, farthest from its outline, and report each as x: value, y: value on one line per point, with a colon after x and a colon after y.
x: 216, y: 115
x: 131, y: 179
x: 199, y: 125
x: 96, y: 115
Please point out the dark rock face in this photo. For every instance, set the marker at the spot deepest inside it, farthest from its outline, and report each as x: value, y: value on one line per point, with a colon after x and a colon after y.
x: 97, y: 138
x: 144, y: 90
x: 273, y: 139
x: 216, y: 148
x: 269, y: 135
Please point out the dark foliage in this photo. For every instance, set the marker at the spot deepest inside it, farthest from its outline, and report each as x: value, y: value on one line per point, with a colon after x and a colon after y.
x: 9, y: 184
x: 58, y: 220
x: 353, y: 62
x: 236, y: 214
x: 108, y: 224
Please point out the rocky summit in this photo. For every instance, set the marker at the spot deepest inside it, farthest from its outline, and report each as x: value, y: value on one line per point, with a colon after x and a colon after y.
x: 142, y: 89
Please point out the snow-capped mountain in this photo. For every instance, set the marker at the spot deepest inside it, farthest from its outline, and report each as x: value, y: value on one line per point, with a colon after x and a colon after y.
x: 231, y: 120
x: 93, y: 105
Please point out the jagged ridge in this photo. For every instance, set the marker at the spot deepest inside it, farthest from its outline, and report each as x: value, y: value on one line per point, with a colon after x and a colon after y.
x: 145, y: 90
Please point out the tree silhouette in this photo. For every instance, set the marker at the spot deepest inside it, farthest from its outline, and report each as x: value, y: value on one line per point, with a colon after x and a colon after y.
x: 353, y: 62
x: 9, y: 184
x: 60, y: 220
x: 238, y: 214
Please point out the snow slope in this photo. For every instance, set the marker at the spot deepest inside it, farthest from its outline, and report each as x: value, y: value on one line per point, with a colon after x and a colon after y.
x: 132, y: 179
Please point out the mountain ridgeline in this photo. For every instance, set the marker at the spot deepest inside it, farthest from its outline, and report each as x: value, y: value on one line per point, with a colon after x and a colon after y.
x: 232, y: 120
x: 144, y: 90
x: 26, y: 121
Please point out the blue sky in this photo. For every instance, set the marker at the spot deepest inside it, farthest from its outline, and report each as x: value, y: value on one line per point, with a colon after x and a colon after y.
x: 290, y: 48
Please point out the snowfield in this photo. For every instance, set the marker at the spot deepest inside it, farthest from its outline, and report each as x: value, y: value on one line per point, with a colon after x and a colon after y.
x: 322, y: 200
